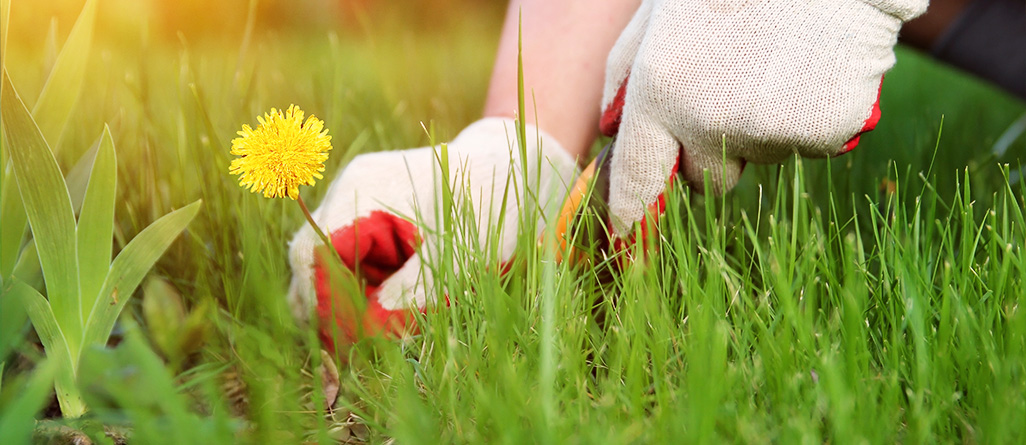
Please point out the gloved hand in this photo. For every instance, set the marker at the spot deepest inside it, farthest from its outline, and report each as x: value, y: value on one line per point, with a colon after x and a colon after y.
x: 381, y: 212
x: 706, y: 85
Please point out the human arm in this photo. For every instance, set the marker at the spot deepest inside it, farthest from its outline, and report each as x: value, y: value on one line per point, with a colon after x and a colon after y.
x: 565, y: 45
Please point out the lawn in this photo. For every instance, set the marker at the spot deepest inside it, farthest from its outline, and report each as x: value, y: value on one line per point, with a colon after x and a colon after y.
x: 870, y: 298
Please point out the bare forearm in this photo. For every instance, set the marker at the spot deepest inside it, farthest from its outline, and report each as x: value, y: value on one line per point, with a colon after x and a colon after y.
x: 565, y: 44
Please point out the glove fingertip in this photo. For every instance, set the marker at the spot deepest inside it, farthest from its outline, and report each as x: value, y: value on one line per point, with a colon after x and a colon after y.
x: 723, y: 173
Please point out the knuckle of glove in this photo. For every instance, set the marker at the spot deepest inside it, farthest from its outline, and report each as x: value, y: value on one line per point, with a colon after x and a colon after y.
x: 799, y: 90
x: 903, y: 10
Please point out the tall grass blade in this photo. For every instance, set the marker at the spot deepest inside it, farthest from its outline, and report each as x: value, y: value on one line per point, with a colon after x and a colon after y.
x: 58, y: 349
x: 62, y: 88
x: 5, y: 20
x: 48, y: 207
x: 131, y: 266
x: 96, y: 223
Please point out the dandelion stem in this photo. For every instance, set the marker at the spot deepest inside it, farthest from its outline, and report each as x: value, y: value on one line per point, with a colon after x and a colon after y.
x: 320, y: 233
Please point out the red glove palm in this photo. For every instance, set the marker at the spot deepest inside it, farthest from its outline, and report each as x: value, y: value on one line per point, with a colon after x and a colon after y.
x: 374, y: 247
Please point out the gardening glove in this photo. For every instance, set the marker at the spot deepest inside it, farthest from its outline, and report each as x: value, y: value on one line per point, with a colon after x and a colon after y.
x: 382, y: 213
x: 707, y: 85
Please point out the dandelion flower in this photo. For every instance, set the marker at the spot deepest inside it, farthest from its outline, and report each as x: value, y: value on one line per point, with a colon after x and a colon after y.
x: 282, y: 153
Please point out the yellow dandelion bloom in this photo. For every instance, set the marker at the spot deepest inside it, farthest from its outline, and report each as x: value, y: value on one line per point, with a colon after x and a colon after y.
x: 281, y: 153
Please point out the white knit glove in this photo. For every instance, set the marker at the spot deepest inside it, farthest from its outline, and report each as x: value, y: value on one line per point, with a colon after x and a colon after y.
x: 721, y: 82
x: 381, y: 212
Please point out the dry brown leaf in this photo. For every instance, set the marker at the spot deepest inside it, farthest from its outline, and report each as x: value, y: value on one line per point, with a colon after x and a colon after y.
x: 329, y: 379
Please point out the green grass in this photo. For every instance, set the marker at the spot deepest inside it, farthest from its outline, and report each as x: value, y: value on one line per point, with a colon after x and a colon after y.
x: 810, y: 304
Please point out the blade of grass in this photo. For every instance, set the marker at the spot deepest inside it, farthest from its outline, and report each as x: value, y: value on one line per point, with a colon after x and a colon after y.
x: 96, y: 223
x: 62, y: 88
x: 48, y: 207
x: 5, y: 19
x: 131, y: 266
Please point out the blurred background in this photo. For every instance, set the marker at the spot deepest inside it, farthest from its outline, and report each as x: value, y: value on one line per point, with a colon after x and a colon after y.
x: 176, y: 79
x: 266, y: 38
x: 226, y: 19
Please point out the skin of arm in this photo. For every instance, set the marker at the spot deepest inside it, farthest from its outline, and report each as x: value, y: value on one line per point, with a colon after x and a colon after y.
x: 565, y: 45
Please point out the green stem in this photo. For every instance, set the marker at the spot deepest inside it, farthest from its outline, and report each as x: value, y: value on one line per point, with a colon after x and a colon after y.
x: 317, y: 229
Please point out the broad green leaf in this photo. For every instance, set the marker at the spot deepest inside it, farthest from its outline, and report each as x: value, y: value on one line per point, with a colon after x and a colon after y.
x: 62, y: 88
x: 48, y: 207
x: 55, y: 343
x: 96, y: 223
x: 17, y: 420
x: 131, y: 266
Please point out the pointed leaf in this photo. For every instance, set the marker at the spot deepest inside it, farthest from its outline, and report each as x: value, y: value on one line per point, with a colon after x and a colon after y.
x: 57, y: 348
x: 78, y: 177
x: 48, y: 207
x: 96, y: 223
x: 62, y: 88
x: 131, y: 266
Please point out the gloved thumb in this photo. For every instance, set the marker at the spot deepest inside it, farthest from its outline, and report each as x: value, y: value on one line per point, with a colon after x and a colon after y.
x: 381, y: 251
x: 644, y: 157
